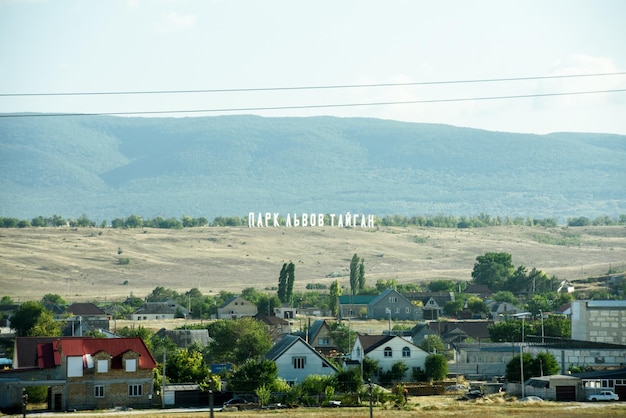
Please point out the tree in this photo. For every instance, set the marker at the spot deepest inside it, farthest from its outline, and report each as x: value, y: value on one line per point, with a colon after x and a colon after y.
x: 237, y: 340
x: 282, y: 284
x: 45, y: 326
x: 361, y: 275
x: 508, y: 330
x: 349, y: 380
x: 557, y: 326
x: 452, y: 308
x: 537, y: 304
x: 26, y: 317
x: 354, y: 274
x: 493, y: 270
x: 476, y: 305
x: 506, y: 297
x: 436, y: 367
x: 544, y: 364
x: 370, y: 367
x: 442, y: 286
x: 186, y: 366
x: 335, y: 292
x: 291, y: 278
x: 53, y: 299
x: 432, y: 344
x: 253, y: 374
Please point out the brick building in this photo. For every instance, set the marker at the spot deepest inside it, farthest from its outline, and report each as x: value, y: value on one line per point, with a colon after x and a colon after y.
x: 81, y: 373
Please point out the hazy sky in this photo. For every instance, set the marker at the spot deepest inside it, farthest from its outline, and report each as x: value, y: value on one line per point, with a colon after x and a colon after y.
x: 66, y: 46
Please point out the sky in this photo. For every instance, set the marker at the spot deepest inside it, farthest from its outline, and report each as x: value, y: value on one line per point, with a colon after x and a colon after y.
x: 407, y: 60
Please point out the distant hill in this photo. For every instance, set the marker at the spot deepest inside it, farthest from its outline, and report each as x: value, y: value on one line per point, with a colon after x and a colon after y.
x: 108, y: 167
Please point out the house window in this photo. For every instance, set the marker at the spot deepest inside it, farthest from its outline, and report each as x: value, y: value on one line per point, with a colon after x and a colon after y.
x: 299, y: 362
x: 406, y: 352
x: 393, y: 299
x: 135, y: 390
x: 388, y: 352
x: 75, y: 366
x: 98, y: 391
x: 323, y: 341
x: 102, y: 366
x: 131, y: 365
x: 397, y: 310
x: 407, y: 310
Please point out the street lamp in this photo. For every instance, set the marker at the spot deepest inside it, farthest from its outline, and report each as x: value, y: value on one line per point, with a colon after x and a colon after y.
x: 521, y: 352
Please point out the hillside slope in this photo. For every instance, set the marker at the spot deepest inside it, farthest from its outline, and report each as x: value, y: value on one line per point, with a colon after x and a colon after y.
x: 109, y: 167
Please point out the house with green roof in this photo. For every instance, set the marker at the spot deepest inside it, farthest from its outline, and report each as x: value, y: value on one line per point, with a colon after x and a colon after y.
x: 390, y: 304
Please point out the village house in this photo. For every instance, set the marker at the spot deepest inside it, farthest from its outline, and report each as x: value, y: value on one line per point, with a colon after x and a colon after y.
x: 276, y: 326
x: 432, y: 302
x: 296, y: 360
x: 81, y: 373
x: 155, y: 311
x: 387, y: 350
x: 235, y: 308
x: 388, y: 305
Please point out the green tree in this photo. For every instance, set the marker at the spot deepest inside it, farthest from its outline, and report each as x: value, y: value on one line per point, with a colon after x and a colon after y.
x: 45, y: 326
x: 361, y: 275
x: 433, y: 344
x: 557, y: 326
x: 335, y: 292
x: 133, y: 221
x: 476, y: 305
x: 544, y: 364
x: 237, y: 340
x: 53, y: 299
x: 513, y: 370
x: 370, y: 367
x: 349, y: 380
x: 505, y: 296
x: 26, y: 317
x: 537, y: 304
x: 282, y: 284
x: 436, y: 367
x: 291, y: 278
x: 253, y: 374
x: 354, y: 274
x: 452, y: 308
x: 442, y: 286
x: 508, y: 330
x: 186, y: 366
x: 493, y: 270
x: 6, y: 300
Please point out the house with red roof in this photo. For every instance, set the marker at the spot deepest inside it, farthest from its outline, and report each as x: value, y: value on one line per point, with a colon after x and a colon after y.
x: 81, y: 373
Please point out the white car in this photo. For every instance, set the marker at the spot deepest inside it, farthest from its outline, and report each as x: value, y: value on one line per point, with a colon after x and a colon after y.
x: 605, y: 395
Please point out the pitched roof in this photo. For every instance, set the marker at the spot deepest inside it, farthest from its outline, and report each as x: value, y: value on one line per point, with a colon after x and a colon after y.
x: 371, y: 342
x: 270, y: 319
x: 85, y: 309
x: 287, y: 342
x: 47, y: 351
x: 356, y: 299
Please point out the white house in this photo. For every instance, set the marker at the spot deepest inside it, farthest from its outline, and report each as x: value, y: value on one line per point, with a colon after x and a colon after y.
x: 387, y: 350
x: 236, y: 307
x: 296, y: 360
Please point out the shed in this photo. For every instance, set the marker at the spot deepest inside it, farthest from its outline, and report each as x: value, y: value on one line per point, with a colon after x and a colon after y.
x: 555, y: 388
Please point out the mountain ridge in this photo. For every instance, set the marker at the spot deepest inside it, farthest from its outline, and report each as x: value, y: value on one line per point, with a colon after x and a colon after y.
x: 107, y: 167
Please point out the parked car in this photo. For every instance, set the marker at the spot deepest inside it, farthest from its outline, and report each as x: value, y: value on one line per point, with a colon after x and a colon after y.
x: 235, y: 402
x: 605, y: 395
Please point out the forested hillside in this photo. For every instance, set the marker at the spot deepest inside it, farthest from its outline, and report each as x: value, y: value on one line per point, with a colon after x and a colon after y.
x: 107, y: 167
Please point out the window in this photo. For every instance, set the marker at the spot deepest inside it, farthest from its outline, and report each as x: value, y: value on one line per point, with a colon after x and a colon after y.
x: 323, y: 341
x: 131, y: 365
x: 388, y: 352
x: 406, y: 352
x: 102, y: 366
x: 98, y: 391
x: 393, y: 299
x: 299, y: 362
x: 75, y: 366
x: 135, y: 390
x: 407, y: 310
x: 397, y: 310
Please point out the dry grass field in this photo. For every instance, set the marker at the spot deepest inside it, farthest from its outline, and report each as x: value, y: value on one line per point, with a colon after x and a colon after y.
x: 424, y: 406
x: 83, y: 264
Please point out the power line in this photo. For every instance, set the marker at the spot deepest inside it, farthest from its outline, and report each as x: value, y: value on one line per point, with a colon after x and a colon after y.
x: 327, y: 87
x: 332, y: 105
